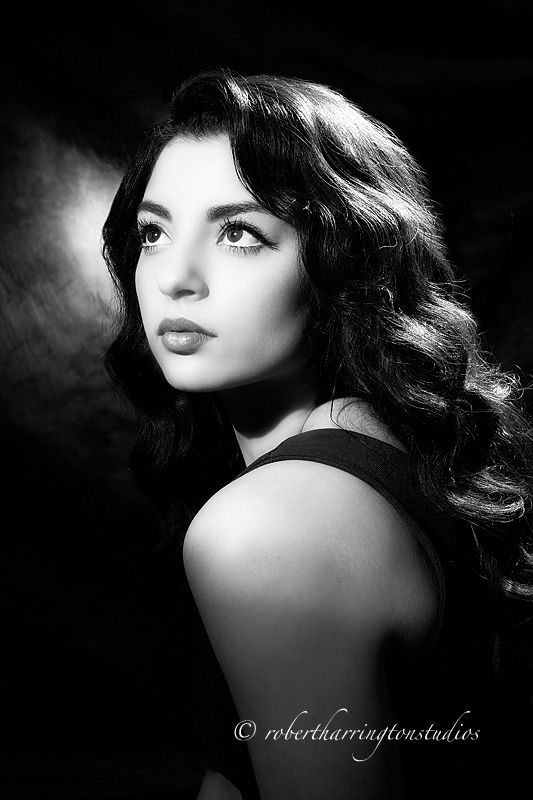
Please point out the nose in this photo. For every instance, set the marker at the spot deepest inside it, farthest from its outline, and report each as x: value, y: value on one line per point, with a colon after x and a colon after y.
x: 180, y: 272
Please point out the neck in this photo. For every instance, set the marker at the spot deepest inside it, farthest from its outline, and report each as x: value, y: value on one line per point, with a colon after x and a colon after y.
x: 266, y: 413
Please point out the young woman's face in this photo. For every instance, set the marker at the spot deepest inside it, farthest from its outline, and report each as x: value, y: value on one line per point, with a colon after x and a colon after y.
x: 213, y: 258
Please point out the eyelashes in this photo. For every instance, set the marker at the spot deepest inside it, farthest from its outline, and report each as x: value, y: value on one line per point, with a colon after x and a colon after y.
x: 150, y: 236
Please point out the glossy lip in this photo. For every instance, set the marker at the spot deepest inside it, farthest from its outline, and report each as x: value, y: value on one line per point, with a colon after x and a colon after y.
x: 181, y: 325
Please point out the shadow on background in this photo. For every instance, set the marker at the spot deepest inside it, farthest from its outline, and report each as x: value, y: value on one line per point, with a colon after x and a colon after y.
x: 96, y: 618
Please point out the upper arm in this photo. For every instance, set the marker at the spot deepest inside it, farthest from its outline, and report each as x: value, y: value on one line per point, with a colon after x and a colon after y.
x: 297, y: 618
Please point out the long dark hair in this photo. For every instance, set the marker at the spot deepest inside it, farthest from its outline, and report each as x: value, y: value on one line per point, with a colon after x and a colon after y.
x: 390, y: 323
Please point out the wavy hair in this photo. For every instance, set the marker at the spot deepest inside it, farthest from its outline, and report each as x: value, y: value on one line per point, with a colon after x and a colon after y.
x: 390, y: 323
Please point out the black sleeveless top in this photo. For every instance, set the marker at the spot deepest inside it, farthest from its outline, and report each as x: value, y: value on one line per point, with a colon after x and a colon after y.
x: 442, y: 700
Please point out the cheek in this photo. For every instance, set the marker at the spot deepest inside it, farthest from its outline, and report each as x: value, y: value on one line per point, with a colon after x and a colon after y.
x: 144, y: 292
x: 269, y: 318
x: 138, y: 284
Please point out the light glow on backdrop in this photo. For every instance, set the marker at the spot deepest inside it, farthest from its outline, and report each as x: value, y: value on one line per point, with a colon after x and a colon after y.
x: 91, y: 192
x: 56, y: 292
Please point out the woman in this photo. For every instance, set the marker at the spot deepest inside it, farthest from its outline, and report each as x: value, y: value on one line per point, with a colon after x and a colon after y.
x: 315, y: 414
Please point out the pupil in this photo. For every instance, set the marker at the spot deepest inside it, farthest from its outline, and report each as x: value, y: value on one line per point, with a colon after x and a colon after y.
x: 235, y: 235
x: 152, y: 235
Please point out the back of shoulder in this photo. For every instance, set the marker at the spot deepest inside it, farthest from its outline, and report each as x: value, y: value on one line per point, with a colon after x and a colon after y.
x: 317, y: 533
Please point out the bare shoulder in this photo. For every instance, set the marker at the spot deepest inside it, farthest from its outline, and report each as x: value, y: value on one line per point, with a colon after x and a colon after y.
x: 318, y: 533
x: 299, y: 571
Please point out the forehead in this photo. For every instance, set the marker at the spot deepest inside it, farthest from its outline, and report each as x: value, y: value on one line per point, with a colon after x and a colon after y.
x: 196, y: 168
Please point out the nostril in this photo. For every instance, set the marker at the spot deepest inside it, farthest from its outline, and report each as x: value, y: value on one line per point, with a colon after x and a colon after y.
x: 175, y: 282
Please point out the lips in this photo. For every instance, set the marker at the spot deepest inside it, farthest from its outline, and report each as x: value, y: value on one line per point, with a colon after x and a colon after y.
x: 181, y: 325
x: 182, y: 336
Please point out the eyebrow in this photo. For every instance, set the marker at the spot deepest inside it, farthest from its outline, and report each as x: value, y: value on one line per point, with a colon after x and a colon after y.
x: 212, y: 215
x: 230, y: 209
x: 155, y: 208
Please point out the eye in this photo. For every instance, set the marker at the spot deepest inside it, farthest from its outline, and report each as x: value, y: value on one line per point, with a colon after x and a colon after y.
x: 151, y: 235
x: 237, y: 236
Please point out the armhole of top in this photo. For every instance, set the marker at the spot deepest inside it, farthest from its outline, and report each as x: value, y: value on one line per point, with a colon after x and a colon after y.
x: 434, y: 561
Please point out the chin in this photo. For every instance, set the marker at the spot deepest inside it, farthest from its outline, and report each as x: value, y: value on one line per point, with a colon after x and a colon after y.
x: 190, y: 383
x: 196, y: 380
x: 192, y: 378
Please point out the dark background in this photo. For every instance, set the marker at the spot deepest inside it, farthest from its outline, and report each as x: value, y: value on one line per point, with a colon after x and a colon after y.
x: 94, y: 694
